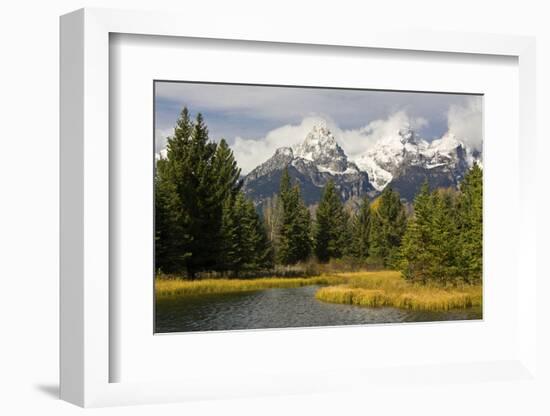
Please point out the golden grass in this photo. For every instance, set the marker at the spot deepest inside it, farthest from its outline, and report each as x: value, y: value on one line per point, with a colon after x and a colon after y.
x: 388, y: 288
x: 373, y: 289
x: 175, y: 287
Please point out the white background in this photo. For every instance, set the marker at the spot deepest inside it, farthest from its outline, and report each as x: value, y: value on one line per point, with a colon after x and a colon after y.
x: 29, y: 224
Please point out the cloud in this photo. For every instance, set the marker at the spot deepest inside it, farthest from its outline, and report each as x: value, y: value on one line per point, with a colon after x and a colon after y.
x: 357, y: 142
x: 160, y: 138
x: 466, y: 122
x: 243, y: 115
x: 289, y: 105
x: 249, y: 153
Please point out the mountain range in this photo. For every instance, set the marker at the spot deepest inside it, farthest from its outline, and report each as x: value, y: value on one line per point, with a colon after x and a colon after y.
x: 402, y: 160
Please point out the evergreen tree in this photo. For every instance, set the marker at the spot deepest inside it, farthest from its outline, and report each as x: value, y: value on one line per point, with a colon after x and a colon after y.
x: 173, y: 239
x: 470, y: 213
x: 294, y: 230
x: 360, y: 231
x: 272, y: 213
x: 226, y: 172
x: 192, y: 184
x: 331, y: 228
x: 244, y: 240
x: 231, y: 256
x: 205, y: 205
x: 388, y: 227
x: 260, y: 254
x: 415, y: 257
x: 444, y: 238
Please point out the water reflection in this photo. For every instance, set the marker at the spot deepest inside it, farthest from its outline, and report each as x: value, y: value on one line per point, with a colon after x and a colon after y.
x: 281, y: 308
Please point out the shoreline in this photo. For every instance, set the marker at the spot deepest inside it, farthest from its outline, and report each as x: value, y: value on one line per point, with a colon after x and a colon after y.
x: 183, y: 288
x: 385, y: 288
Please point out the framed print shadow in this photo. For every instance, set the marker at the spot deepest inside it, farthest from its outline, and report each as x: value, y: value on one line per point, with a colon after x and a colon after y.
x: 288, y: 206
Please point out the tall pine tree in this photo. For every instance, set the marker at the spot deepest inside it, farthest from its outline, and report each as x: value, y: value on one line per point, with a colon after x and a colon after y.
x: 173, y: 238
x: 360, y: 231
x: 192, y: 183
x: 388, y: 226
x: 331, y: 226
x: 471, y: 225
x: 244, y: 239
x: 294, y: 234
x: 443, y: 240
x: 416, y: 258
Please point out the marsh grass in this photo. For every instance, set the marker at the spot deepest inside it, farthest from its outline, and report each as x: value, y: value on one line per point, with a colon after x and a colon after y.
x: 165, y: 288
x: 366, y: 288
x: 388, y: 288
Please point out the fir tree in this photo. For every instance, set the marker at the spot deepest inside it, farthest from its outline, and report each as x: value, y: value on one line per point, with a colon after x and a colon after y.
x: 226, y: 172
x: 388, y: 227
x: 244, y: 240
x: 415, y: 256
x: 260, y: 254
x: 231, y: 256
x: 444, y: 239
x: 173, y: 239
x: 294, y: 230
x: 272, y: 213
x: 192, y: 184
x: 331, y: 226
x: 470, y: 213
x: 204, y: 204
x: 442, y: 243
x: 360, y: 231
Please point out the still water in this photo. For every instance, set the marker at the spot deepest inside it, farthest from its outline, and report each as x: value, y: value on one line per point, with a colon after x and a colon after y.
x: 281, y: 308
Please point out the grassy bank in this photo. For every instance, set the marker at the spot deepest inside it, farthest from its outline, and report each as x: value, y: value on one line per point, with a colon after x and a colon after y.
x: 388, y: 288
x: 175, y: 287
x: 372, y: 289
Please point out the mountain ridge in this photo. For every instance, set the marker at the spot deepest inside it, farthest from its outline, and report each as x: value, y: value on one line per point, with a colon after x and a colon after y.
x: 402, y: 160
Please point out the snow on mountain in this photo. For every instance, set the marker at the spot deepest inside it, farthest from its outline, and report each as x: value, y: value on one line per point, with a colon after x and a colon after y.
x: 321, y: 148
x: 390, y: 155
x: 312, y: 163
x: 401, y: 159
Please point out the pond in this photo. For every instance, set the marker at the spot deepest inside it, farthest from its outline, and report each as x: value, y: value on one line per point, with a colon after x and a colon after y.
x: 281, y: 308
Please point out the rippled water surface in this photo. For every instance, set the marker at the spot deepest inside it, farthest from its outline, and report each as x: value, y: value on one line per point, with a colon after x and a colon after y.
x: 281, y: 308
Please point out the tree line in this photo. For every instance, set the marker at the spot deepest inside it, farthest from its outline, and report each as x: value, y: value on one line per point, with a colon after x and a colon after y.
x: 204, y: 222
x: 202, y: 219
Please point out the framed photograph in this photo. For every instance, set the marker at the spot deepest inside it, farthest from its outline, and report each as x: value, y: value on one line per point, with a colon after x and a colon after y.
x: 321, y: 201
x: 315, y: 207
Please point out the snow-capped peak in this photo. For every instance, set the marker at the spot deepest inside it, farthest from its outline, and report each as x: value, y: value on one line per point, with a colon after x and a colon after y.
x: 447, y: 142
x: 317, y: 140
x: 321, y: 147
x: 407, y: 135
x: 406, y: 148
x: 284, y: 152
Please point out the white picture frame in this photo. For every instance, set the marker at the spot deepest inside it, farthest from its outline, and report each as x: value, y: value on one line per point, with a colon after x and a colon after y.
x: 85, y: 353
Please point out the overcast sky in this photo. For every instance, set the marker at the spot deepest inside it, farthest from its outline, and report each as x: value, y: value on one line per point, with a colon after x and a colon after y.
x: 255, y: 120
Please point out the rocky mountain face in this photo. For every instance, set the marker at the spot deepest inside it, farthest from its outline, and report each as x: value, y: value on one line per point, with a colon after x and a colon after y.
x: 311, y: 164
x: 402, y: 160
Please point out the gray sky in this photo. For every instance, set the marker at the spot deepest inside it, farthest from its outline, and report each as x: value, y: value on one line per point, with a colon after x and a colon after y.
x: 255, y: 120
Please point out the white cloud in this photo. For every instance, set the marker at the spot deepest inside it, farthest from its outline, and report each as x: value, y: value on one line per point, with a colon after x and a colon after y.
x: 465, y: 122
x: 160, y: 138
x: 357, y: 142
x: 249, y: 153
